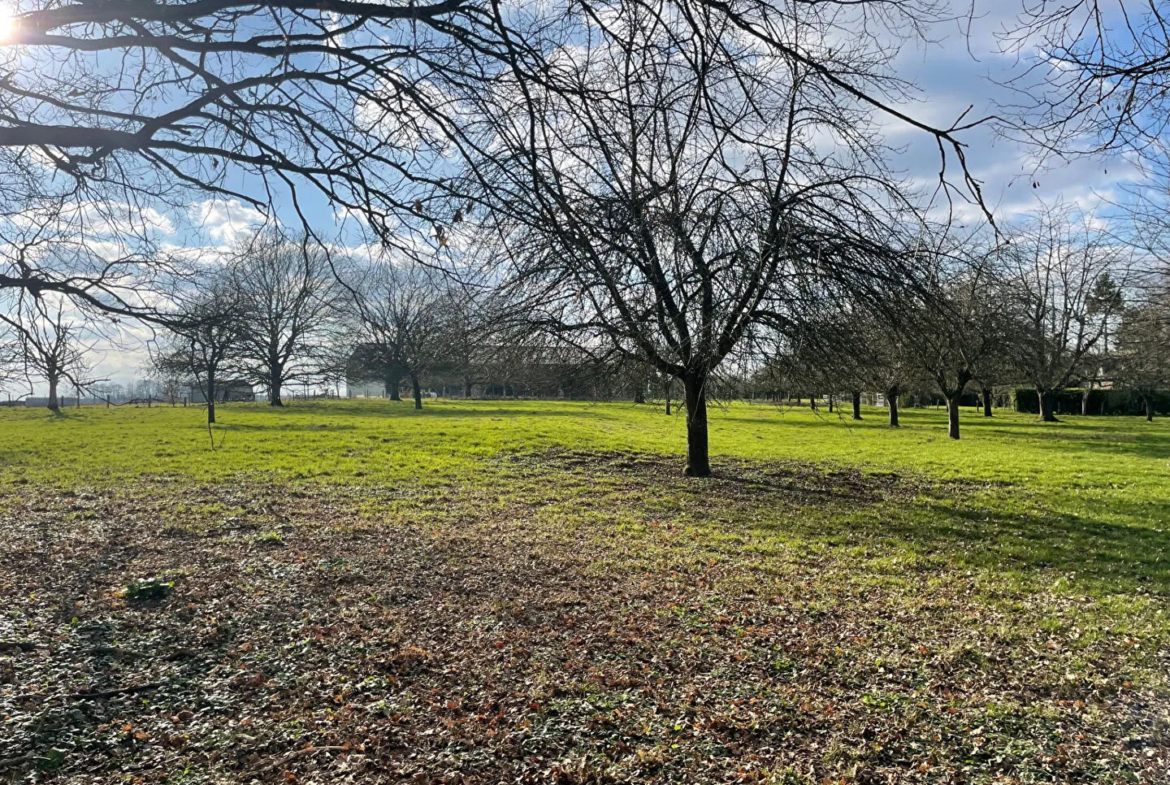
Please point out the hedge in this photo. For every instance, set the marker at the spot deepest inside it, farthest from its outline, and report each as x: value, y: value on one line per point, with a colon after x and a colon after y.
x: 1068, y: 401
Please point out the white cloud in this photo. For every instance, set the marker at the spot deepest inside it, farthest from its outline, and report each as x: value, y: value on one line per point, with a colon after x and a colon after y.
x: 101, y: 219
x: 225, y: 219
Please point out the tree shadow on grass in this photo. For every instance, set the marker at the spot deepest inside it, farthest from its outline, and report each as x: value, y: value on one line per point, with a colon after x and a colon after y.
x: 1152, y: 445
x: 970, y: 523
x: 1116, y: 557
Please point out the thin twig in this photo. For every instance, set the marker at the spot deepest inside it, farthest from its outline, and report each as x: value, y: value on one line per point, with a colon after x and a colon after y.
x: 7, y: 763
x: 293, y: 756
x: 120, y: 691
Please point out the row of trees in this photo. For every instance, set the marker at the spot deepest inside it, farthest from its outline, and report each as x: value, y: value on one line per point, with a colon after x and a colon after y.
x: 1049, y: 303
x: 684, y: 185
x: 287, y: 309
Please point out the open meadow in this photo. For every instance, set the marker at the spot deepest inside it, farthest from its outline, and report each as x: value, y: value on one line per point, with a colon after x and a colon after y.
x: 523, y: 591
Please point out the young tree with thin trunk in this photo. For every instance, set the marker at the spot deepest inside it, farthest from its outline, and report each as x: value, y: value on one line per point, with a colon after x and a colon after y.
x: 206, y: 347
x: 287, y: 304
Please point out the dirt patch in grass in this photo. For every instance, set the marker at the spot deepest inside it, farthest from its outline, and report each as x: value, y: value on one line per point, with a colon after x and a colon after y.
x: 550, y: 629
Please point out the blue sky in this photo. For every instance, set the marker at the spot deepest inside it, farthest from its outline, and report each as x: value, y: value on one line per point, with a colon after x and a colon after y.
x: 958, y: 69
x: 962, y: 70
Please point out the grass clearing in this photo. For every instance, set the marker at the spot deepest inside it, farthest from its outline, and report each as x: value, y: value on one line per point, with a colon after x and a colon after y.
x: 531, y: 591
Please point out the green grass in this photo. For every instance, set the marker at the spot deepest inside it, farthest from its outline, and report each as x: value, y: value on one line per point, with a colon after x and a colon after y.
x: 866, y: 599
x: 1087, y: 496
x: 343, y: 440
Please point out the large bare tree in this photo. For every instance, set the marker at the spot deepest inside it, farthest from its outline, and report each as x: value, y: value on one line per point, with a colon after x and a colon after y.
x: 288, y: 301
x: 1065, y: 278
x: 49, y: 341
x: 673, y: 187
x: 346, y: 107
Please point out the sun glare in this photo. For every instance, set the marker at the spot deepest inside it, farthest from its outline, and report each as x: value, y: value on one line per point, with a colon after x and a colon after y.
x: 7, y: 25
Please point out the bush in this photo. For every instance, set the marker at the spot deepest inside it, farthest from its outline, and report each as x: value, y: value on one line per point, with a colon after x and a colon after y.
x: 1107, y: 402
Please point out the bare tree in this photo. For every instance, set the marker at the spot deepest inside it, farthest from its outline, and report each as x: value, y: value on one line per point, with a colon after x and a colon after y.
x: 876, y: 351
x: 287, y: 302
x: 961, y: 327
x: 116, y: 114
x: 1064, y: 281
x: 471, y: 327
x: 400, y: 310
x: 663, y: 193
x: 1143, y: 350
x: 49, y: 341
x: 205, y: 347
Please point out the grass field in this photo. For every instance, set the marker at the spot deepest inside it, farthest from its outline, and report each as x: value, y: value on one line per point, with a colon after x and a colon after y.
x: 531, y: 592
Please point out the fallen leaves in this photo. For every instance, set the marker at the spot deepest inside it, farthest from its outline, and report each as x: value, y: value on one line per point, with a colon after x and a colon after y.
x: 524, y: 643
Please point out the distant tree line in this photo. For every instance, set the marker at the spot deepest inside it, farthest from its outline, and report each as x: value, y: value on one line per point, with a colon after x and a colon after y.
x: 1049, y: 303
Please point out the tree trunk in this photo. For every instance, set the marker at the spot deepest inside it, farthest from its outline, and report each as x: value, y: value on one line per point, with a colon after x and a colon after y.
x: 467, y: 389
x: 1149, y: 408
x: 274, y: 394
x: 54, y: 404
x: 1085, y: 399
x: 856, y: 405
x: 830, y: 404
x: 417, y: 391
x: 953, y: 415
x: 393, y: 382
x: 639, y: 396
x: 892, y: 402
x: 1047, y: 405
x: 986, y: 401
x: 210, y: 400
x: 667, y: 397
x: 698, y: 459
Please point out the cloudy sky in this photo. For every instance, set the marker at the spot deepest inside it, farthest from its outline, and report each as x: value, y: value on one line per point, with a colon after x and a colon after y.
x: 963, y: 66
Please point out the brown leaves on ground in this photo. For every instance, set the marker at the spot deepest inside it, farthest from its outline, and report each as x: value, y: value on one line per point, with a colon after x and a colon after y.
x: 497, y: 639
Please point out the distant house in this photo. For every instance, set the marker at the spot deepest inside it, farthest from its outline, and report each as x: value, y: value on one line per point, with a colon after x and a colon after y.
x: 226, y: 391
